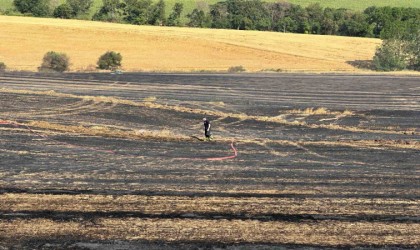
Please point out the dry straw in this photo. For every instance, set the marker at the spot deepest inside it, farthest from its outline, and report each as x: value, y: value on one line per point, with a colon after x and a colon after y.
x: 275, y: 119
x: 176, y: 49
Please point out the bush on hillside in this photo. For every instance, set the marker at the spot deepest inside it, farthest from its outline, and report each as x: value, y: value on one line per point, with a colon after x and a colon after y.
x: 2, y: 67
x: 236, y: 69
x: 54, y: 61
x: 110, y: 60
x: 390, y: 56
x: 400, y: 49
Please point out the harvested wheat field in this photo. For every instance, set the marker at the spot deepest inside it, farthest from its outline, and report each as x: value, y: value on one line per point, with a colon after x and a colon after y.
x: 108, y: 161
x: 25, y: 40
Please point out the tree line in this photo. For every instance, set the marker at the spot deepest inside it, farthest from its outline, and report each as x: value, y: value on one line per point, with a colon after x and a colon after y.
x: 397, y: 26
x: 236, y: 14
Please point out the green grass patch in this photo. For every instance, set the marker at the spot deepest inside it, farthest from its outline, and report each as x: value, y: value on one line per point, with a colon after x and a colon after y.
x: 6, y: 4
x: 357, y: 5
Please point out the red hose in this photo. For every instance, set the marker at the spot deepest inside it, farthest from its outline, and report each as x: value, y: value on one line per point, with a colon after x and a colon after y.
x: 235, y: 154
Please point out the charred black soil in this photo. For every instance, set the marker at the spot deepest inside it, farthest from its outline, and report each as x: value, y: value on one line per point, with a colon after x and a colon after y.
x: 102, y: 161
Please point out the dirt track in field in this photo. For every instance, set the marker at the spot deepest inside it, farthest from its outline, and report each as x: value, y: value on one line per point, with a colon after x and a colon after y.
x: 114, y: 161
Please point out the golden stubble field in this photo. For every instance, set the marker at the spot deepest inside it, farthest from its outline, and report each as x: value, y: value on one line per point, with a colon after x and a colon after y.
x: 24, y: 41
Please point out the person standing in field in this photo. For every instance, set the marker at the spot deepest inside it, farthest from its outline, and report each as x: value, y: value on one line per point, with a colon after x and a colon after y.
x: 207, y: 126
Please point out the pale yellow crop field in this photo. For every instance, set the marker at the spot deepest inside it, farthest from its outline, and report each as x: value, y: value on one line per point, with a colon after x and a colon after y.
x: 24, y: 41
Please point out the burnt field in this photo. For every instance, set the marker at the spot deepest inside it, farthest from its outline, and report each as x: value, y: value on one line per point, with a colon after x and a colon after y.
x: 102, y: 161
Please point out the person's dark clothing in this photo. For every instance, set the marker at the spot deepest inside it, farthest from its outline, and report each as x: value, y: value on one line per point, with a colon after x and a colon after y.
x: 206, y: 124
x: 207, y: 128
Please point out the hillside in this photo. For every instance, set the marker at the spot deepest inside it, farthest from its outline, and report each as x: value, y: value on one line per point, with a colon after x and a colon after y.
x: 189, y: 5
x: 25, y: 40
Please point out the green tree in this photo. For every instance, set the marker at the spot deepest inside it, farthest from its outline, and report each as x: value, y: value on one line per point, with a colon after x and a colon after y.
x: 174, y: 18
x: 315, y: 16
x: 219, y: 16
x: 300, y: 18
x: 278, y: 12
x: 198, y: 19
x: 383, y: 17
x: 407, y: 36
x: 329, y: 23
x: 248, y: 15
x: 55, y: 61
x: 80, y: 7
x: 157, y: 16
x: 379, y: 17
x: 137, y: 11
x: 38, y: 8
x: 63, y: 11
x: 287, y: 24
x: 395, y: 30
x: 356, y: 24
x: 111, y: 11
x: 110, y: 60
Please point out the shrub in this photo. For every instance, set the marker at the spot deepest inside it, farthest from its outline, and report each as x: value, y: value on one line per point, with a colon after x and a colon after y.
x: 390, y: 56
x: 236, y: 69
x: 110, y: 60
x: 54, y: 61
x: 2, y: 67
